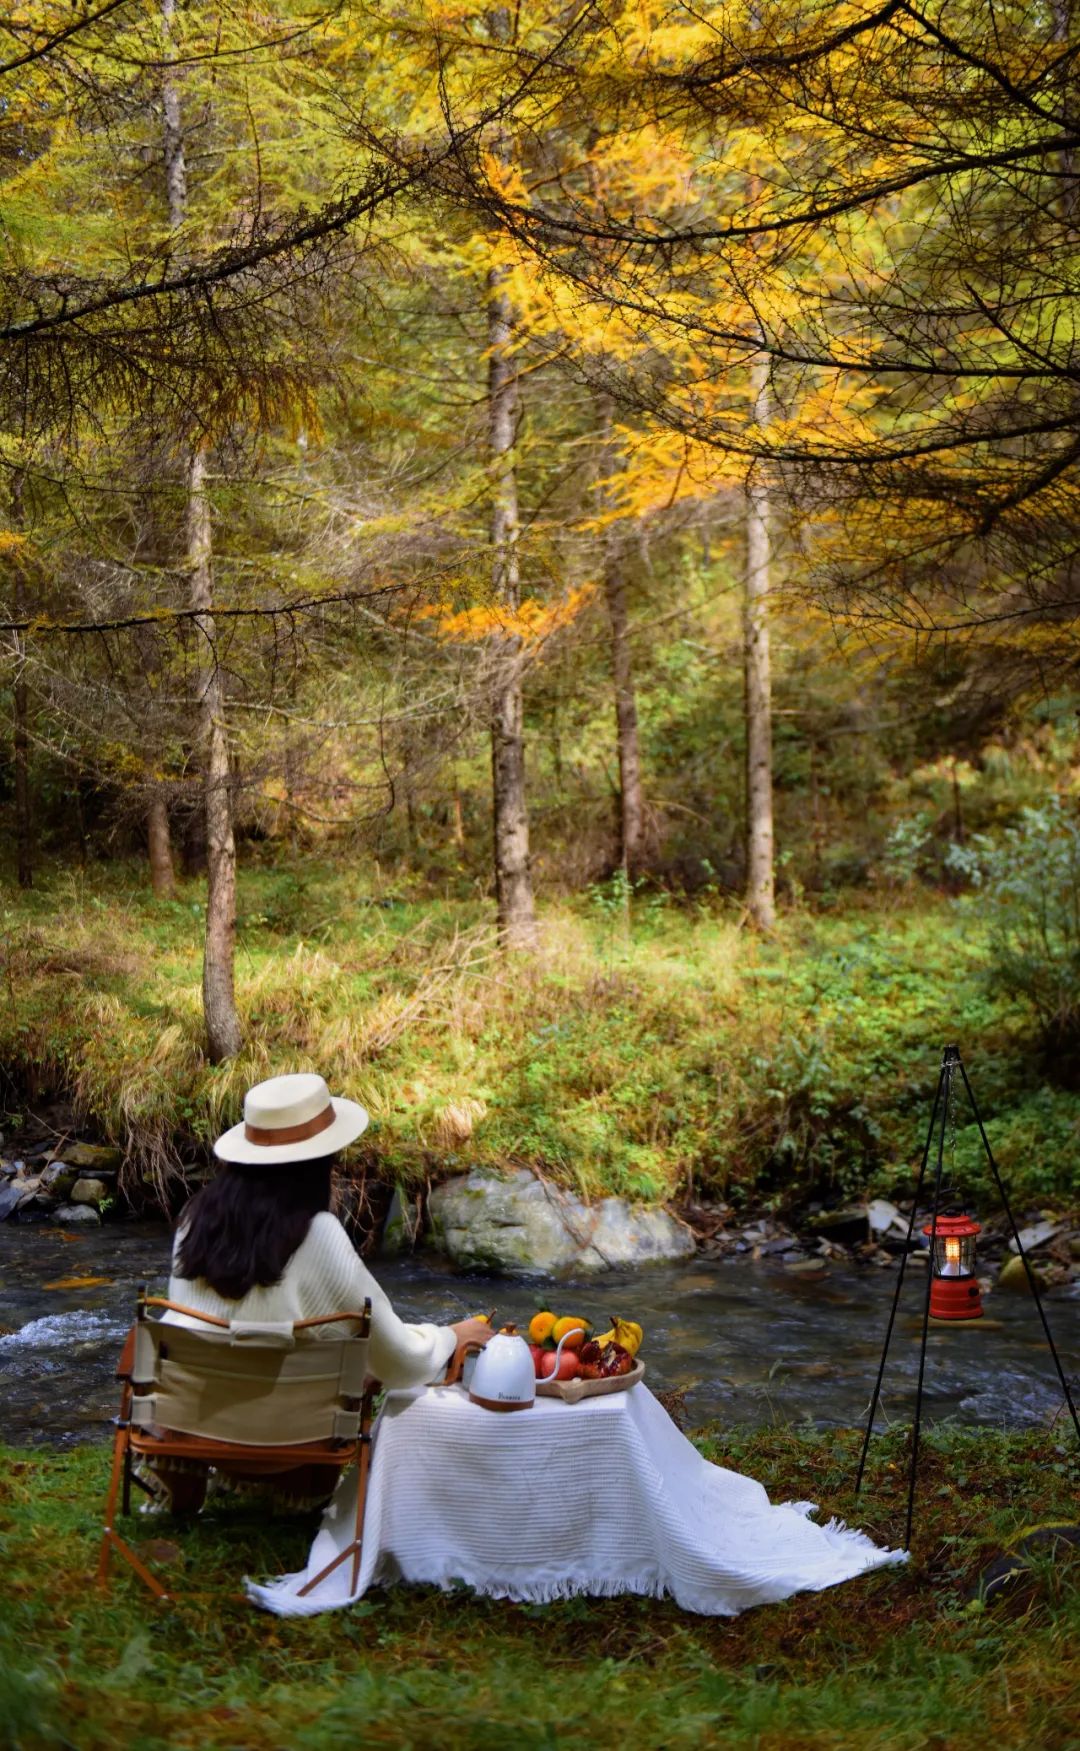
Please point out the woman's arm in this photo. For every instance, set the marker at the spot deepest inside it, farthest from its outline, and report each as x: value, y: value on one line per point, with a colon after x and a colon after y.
x: 401, y: 1354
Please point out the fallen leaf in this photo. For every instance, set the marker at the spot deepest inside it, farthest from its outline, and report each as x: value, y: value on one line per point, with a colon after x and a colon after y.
x: 163, y: 1550
x: 77, y: 1283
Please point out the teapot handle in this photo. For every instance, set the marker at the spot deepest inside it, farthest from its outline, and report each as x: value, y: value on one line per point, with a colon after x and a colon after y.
x: 455, y: 1366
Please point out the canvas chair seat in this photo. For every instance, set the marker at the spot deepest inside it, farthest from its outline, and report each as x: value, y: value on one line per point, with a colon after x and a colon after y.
x: 227, y: 1385
x: 267, y: 1396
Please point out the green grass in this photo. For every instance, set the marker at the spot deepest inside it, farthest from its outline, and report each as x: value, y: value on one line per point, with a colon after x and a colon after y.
x: 900, y: 1659
x: 646, y: 1057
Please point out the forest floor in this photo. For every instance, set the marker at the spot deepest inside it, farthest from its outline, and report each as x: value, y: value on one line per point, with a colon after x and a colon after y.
x: 648, y: 1051
x: 902, y: 1658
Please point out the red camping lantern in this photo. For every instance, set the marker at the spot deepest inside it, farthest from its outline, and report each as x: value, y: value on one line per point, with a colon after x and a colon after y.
x: 954, y: 1287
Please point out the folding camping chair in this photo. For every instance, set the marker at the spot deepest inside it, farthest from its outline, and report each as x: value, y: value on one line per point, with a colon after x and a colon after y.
x: 255, y: 1394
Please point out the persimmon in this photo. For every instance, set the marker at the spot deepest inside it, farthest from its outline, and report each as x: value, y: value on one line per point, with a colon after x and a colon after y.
x: 575, y: 1331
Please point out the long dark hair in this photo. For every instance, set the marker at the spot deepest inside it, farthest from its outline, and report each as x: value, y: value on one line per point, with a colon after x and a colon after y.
x: 242, y: 1228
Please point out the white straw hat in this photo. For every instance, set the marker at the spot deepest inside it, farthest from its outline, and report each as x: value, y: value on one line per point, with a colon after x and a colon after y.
x: 291, y: 1118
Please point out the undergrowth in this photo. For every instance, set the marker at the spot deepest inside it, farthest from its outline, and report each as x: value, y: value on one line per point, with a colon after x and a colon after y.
x: 896, y: 1660
x: 648, y: 1050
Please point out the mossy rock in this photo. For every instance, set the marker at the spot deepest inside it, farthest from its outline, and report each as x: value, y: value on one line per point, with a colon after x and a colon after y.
x: 524, y: 1227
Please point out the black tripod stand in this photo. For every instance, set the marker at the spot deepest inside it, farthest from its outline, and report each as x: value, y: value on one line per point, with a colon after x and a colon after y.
x: 950, y: 1067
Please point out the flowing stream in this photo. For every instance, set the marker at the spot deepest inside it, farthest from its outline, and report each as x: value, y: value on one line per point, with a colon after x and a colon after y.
x: 750, y: 1342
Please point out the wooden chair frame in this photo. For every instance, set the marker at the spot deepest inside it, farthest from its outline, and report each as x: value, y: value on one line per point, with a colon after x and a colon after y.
x: 130, y: 1442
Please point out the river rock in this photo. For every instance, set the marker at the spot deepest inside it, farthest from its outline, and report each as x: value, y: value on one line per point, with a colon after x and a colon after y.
x: 1013, y: 1275
x: 89, y: 1191
x: 95, y: 1157
x: 70, y: 1215
x: 10, y: 1199
x: 521, y: 1226
x: 58, y: 1178
x: 401, y: 1229
x: 1037, y: 1235
x: 815, y: 1267
x: 884, y: 1218
x: 845, y: 1227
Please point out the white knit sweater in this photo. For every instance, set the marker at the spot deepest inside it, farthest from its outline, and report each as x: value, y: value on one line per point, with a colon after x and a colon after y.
x: 324, y: 1276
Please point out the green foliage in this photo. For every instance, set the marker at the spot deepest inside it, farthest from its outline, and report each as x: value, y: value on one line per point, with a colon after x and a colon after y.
x: 1033, y: 1142
x: 890, y: 1662
x: 1029, y: 880
x: 649, y: 1048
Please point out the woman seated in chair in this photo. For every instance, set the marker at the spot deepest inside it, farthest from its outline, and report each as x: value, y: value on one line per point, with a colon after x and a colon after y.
x: 259, y: 1242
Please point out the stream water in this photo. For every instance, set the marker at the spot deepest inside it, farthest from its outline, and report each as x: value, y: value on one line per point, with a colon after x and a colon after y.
x: 750, y: 1342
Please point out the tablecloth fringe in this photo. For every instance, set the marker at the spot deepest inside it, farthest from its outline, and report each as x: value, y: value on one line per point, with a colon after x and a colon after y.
x: 538, y: 1589
x: 844, y: 1537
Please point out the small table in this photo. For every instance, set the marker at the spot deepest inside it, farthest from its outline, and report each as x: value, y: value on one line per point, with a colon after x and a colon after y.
x: 602, y: 1497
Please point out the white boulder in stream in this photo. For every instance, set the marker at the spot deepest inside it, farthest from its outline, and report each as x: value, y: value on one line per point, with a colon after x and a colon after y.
x: 521, y: 1225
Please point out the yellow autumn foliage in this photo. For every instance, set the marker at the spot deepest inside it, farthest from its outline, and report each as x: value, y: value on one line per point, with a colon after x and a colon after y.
x: 532, y: 622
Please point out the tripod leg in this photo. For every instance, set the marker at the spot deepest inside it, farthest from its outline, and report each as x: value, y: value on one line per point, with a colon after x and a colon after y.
x: 1032, y: 1279
x: 951, y: 1056
x: 899, y: 1286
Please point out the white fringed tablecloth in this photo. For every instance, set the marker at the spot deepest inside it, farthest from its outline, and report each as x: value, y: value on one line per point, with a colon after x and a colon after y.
x: 601, y: 1497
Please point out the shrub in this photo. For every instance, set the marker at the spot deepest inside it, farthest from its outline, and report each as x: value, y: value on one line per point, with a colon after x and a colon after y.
x: 1030, y: 882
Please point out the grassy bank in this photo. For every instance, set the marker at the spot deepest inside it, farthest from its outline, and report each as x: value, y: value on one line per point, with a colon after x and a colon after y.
x: 896, y: 1660
x: 641, y: 1053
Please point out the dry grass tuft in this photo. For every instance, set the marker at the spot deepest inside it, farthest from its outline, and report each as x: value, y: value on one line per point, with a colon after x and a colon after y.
x: 635, y: 1057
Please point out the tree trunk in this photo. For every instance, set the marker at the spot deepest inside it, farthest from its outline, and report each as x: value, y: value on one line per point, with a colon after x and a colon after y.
x: 173, y: 138
x: 760, y: 894
x: 21, y: 741
x: 212, y: 737
x: 219, y: 1000
x: 162, y: 878
x: 516, y: 912
x: 20, y: 728
x: 158, y: 831
x: 631, y: 803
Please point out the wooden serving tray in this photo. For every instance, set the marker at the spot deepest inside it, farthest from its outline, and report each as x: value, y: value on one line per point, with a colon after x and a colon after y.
x: 573, y: 1391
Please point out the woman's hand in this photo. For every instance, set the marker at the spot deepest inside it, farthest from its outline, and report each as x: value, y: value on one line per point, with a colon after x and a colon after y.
x: 472, y: 1331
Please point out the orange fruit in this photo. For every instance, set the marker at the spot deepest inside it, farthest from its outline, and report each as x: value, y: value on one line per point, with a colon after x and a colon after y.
x: 541, y: 1326
x: 578, y: 1328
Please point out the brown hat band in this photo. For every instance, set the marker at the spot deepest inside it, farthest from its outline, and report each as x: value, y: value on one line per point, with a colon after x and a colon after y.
x: 291, y: 1133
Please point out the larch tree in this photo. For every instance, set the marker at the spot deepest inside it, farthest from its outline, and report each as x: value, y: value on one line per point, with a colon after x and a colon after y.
x: 515, y: 907
x: 17, y: 560
x: 201, y: 330
x: 211, y: 740
x: 616, y: 596
x: 760, y: 885
x: 916, y: 229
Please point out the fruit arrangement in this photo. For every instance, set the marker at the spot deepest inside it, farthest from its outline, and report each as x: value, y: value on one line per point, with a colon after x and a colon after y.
x: 565, y: 1349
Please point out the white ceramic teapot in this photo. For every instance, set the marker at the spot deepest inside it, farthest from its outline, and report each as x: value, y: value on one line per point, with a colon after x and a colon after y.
x: 502, y: 1376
